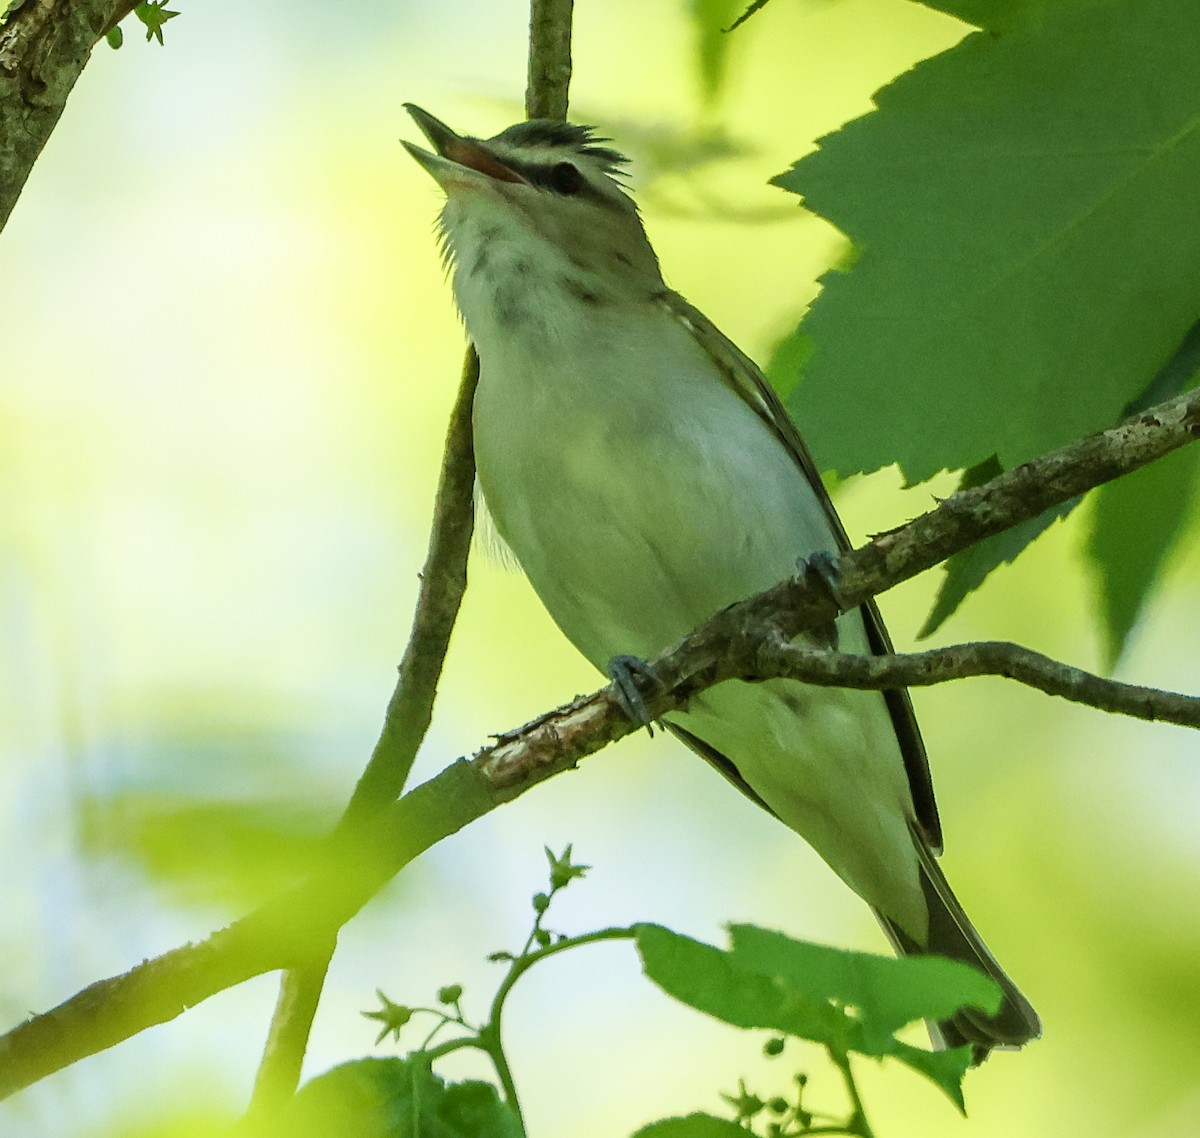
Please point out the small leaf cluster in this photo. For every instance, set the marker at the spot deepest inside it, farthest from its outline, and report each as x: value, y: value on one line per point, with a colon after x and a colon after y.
x: 153, y: 16
x: 847, y: 1003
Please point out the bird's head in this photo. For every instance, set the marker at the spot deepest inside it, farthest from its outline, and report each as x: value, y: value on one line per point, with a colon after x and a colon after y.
x: 541, y: 201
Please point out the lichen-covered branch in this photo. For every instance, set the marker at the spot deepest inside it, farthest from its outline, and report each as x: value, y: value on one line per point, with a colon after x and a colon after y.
x: 549, y: 58
x: 44, y: 47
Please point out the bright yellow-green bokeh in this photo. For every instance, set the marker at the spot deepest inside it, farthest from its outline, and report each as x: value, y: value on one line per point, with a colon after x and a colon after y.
x: 229, y: 354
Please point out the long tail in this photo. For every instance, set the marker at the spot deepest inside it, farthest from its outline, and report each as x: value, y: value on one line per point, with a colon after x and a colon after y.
x: 952, y: 934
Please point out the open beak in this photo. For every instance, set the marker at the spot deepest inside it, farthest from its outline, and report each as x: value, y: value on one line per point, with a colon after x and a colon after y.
x: 456, y: 154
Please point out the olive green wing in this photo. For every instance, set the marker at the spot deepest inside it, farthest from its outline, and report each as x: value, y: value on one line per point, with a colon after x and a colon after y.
x: 745, y: 377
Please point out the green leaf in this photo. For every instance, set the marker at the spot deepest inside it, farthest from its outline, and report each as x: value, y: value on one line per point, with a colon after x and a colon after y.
x: 966, y: 571
x: 787, y: 361
x: 393, y: 1098
x: 1136, y: 523
x: 944, y: 1069
x: 750, y: 10
x: 708, y: 980
x: 997, y: 15
x: 888, y: 992
x: 693, y: 1126
x: 1024, y: 206
x: 154, y: 15
x: 1154, y: 540
x: 114, y: 36
x: 205, y: 850
x: 710, y: 19
x: 846, y: 1001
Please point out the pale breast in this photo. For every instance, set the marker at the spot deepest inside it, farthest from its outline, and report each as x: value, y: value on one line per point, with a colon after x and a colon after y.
x: 639, y: 493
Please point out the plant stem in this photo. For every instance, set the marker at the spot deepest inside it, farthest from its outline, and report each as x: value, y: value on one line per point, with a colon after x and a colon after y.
x: 858, y: 1123
x: 489, y: 1038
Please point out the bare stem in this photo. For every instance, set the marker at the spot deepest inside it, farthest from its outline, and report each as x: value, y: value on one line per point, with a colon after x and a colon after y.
x: 549, y: 58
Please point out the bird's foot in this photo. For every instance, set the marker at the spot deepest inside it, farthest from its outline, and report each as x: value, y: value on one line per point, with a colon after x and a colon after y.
x: 823, y: 569
x: 625, y: 671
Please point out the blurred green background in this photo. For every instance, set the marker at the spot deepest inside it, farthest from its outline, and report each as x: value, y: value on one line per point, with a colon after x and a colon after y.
x: 229, y: 354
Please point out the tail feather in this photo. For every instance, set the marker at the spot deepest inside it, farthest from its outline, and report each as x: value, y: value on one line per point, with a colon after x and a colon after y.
x: 952, y: 934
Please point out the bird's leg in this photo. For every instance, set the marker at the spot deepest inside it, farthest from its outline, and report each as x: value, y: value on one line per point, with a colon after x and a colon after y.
x: 824, y: 570
x: 625, y: 671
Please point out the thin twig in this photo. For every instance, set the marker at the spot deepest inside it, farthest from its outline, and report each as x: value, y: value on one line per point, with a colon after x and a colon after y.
x: 982, y: 658
x: 443, y: 583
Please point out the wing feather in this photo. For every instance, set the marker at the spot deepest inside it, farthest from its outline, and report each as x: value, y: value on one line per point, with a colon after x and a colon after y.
x: 745, y: 377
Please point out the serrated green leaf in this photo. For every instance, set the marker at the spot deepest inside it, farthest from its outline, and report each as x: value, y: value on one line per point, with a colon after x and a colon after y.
x: 1025, y: 207
x: 943, y: 1068
x: 887, y: 992
x: 996, y: 15
x: 1136, y: 523
x: 848, y: 1002
x: 393, y: 1098
x: 693, y: 1126
x: 966, y: 571
x: 707, y: 979
x: 787, y: 361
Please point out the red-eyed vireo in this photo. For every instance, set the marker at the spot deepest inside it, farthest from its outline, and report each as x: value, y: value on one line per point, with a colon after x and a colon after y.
x: 645, y: 475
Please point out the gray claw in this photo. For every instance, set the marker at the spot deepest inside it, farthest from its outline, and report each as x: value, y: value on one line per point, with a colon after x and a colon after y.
x: 823, y: 568
x: 625, y: 671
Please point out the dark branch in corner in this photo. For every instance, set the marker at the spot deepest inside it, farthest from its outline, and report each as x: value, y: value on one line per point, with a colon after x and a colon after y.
x: 44, y: 47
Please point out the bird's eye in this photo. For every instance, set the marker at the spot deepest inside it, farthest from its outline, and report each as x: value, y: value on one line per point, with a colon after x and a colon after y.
x: 566, y: 179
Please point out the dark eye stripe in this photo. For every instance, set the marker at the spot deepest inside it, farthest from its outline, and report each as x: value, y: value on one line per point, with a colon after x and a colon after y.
x: 552, y: 176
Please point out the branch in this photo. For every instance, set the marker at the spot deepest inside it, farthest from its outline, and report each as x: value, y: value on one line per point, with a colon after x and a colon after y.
x: 361, y: 860
x: 408, y: 715
x: 44, y: 47
x: 984, y: 658
x: 443, y: 582
x: 549, y: 59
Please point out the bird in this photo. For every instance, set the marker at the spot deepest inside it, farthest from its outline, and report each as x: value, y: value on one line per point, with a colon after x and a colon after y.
x: 645, y: 475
